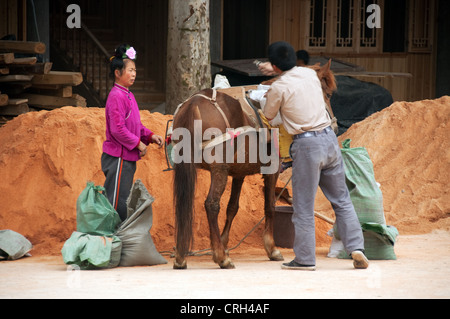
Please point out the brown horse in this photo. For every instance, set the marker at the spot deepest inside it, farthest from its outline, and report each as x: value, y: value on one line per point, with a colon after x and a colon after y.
x: 221, y: 112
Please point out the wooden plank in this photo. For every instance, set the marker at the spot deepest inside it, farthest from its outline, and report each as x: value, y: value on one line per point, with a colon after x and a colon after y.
x: 17, y: 101
x: 59, y: 77
x: 25, y: 61
x: 22, y: 47
x: 38, y: 68
x: 15, y: 78
x: 52, y: 102
x: 14, y: 88
x: 4, y: 99
x: 6, y: 58
x: 65, y: 91
x: 14, y: 110
x: 247, y: 66
x: 375, y: 74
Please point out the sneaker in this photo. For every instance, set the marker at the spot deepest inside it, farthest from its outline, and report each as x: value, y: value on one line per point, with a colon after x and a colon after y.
x: 360, y: 261
x: 296, y: 266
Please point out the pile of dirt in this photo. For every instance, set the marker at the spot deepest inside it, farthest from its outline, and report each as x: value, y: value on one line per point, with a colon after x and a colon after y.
x: 409, y: 145
x: 46, y: 158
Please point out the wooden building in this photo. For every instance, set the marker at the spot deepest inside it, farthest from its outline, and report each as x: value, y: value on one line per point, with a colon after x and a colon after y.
x: 412, y: 37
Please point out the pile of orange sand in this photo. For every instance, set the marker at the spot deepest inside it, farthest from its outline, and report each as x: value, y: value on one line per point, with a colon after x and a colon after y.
x: 409, y: 145
x: 46, y: 158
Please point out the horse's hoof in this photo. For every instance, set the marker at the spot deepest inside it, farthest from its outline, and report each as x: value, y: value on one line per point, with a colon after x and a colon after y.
x: 227, y: 264
x: 276, y: 256
x: 183, y: 265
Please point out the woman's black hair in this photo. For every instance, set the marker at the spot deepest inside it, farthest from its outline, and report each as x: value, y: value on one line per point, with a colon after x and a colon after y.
x: 282, y: 55
x: 117, y: 60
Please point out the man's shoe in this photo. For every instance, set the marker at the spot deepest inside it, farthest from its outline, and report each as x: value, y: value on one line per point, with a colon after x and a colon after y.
x: 296, y: 266
x: 360, y: 261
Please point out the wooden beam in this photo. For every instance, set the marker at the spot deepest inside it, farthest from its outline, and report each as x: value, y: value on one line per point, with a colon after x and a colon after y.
x: 58, y: 77
x: 17, y: 101
x: 6, y: 58
x: 15, y: 78
x: 4, y: 99
x: 22, y: 47
x: 14, y: 110
x: 14, y: 88
x: 375, y: 74
x: 25, y: 61
x: 38, y: 68
x: 52, y: 102
x: 65, y: 91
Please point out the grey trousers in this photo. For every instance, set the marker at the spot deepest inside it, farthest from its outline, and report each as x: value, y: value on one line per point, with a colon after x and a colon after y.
x: 119, y: 180
x: 318, y: 162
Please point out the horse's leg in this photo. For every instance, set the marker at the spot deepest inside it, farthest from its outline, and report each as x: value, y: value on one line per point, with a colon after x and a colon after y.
x: 233, y: 207
x: 219, y: 178
x: 269, y: 209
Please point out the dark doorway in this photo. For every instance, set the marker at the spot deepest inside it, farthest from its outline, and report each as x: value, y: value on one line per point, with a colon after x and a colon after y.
x: 245, y: 29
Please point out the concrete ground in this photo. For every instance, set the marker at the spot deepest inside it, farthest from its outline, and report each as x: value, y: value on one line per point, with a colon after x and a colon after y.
x: 422, y: 270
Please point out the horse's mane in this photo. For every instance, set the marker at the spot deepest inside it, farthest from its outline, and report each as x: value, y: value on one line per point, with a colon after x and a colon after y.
x: 325, y: 75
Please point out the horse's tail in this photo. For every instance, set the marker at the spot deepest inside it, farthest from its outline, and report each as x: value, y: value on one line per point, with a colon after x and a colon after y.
x: 185, y: 178
x: 184, y: 190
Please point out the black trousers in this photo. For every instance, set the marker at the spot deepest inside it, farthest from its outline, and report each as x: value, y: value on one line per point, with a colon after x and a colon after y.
x: 119, y: 180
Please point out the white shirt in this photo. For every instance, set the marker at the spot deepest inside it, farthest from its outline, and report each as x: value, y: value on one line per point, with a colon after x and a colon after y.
x: 298, y: 96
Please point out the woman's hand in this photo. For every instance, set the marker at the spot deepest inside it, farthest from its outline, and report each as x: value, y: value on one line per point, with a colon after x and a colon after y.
x: 142, y: 149
x: 156, y: 139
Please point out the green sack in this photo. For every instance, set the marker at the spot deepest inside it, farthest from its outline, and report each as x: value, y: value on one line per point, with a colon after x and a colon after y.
x: 379, y: 241
x: 367, y: 198
x: 95, y: 214
x: 138, y: 248
x: 13, y: 245
x: 365, y: 194
x: 91, y: 252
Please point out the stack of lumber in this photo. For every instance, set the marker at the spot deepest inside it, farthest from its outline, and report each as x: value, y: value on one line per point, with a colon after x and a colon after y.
x: 26, y: 85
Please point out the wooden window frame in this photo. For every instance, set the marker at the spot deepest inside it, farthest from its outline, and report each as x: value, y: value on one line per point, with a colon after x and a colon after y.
x: 331, y: 32
x: 421, y: 25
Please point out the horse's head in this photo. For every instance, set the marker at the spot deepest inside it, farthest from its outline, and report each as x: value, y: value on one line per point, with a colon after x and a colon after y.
x: 326, y: 78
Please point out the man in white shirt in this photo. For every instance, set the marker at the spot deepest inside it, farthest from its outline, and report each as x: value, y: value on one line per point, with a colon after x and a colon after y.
x: 297, y: 95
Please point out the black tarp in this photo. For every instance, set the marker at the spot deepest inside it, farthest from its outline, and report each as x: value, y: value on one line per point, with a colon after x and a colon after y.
x: 356, y: 100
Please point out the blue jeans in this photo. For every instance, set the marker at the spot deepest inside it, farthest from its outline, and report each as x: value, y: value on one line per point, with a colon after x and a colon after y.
x: 318, y: 162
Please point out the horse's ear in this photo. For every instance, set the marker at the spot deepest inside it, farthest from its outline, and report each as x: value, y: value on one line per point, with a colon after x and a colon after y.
x: 324, y: 69
x: 327, y: 66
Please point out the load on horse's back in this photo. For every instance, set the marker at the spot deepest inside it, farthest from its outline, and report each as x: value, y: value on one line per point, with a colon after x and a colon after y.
x: 241, y: 147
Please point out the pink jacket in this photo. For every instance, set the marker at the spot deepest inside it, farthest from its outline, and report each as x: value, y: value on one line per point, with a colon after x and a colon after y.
x: 124, y: 129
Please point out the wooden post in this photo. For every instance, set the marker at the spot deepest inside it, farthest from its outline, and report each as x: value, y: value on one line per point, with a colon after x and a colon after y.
x: 188, y: 51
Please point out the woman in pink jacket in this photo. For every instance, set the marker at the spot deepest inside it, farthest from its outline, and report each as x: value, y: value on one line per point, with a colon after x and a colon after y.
x: 126, y: 137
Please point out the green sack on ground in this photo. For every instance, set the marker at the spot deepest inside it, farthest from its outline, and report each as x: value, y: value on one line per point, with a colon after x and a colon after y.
x: 365, y: 194
x: 92, y: 252
x: 13, y: 245
x: 138, y: 248
x: 379, y: 242
x: 367, y: 198
x: 95, y: 214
